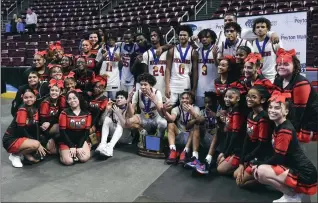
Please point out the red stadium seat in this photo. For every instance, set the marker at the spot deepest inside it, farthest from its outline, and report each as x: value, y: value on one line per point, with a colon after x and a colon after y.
x: 257, y: 7
x: 282, y: 5
x: 269, y: 6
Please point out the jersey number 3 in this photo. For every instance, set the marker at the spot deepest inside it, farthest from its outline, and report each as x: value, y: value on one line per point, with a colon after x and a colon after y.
x: 158, y: 71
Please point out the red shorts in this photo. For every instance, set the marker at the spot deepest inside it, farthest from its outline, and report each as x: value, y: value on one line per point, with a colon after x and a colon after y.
x: 15, y: 146
x: 235, y: 161
x: 304, y: 136
x: 63, y: 146
x: 292, y: 181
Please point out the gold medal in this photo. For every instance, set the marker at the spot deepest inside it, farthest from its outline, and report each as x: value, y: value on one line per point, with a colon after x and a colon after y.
x: 93, y: 139
x: 204, y: 68
x: 262, y: 60
x: 147, y: 116
x: 182, y: 66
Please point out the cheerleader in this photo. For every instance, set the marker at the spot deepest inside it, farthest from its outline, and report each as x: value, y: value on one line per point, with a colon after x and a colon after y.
x: 55, y: 71
x: 241, y: 54
x: 41, y: 90
x: 49, y: 114
x: 252, y: 73
x: 87, y: 52
x: 259, y: 129
x: 38, y: 66
x: 74, y: 125
x: 67, y: 64
x: 97, y: 106
x: 228, y: 159
x: 21, y: 137
x: 304, y: 98
x: 84, y: 77
x: 288, y: 170
x: 58, y: 51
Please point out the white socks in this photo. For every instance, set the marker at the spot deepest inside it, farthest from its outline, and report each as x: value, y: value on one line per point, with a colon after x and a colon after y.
x: 208, y: 158
x: 116, y: 136
x: 173, y: 147
x: 186, y: 149
x: 195, y: 154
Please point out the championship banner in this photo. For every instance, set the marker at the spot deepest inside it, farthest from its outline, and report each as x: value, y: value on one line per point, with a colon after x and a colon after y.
x: 291, y: 27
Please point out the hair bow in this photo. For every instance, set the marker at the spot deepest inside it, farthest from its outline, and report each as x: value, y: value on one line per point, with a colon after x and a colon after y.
x: 76, y: 90
x: 56, y: 46
x: 285, y: 56
x: 229, y: 58
x: 58, y: 83
x: 278, y: 96
x: 68, y: 55
x: 53, y: 65
x: 70, y: 75
x: 41, y: 53
x: 102, y: 79
x: 253, y: 57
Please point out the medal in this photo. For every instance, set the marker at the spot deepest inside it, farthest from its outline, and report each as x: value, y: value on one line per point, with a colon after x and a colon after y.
x: 204, y: 68
x: 110, y: 54
x: 182, y: 66
x: 183, y: 56
x: 147, y: 104
x: 185, y: 117
x: 155, y: 57
x: 262, y: 50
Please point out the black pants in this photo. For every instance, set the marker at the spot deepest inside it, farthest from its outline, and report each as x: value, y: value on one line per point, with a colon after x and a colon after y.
x: 31, y: 28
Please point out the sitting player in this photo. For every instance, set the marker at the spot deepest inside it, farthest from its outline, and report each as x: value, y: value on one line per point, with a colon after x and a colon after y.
x: 112, y: 126
x: 288, y: 170
x: 228, y: 159
x: 149, y: 100
x: 257, y: 141
x: 182, y: 128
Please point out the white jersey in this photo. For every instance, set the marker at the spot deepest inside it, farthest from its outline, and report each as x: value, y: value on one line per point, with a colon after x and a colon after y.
x: 207, y: 73
x: 125, y: 51
x: 156, y: 68
x: 269, y: 58
x: 183, y: 117
x: 144, y: 101
x: 180, y: 71
x: 110, y: 68
x: 225, y: 49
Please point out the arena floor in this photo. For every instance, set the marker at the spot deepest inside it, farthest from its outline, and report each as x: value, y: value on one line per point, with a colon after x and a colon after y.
x: 125, y: 177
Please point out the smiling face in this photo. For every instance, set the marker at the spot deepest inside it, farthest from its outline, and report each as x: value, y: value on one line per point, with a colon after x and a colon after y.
x: 277, y: 111
x: 86, y: 46
x: 55, y: 92
x: 186, y: 99
x: 69, y: 84
x: 56, y: 73
x: 93, y: 38
x: 38, y: 61
x: 65, y: 62
x: 33, y: 80
x: 73, y: 101
x: 231, y: 98
x: 58, y: 54
x: 81, y: 64
x: 29, y: 98
x: 121, y: 101
x: 98, y: 88
x: 240, y: 56
x: 250, y: 70
x: 285, y: 69
x: 223, y: 67
x: 254, y: 99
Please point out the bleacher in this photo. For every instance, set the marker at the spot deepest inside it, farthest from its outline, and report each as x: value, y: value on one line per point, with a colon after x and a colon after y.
x: 7, y: 6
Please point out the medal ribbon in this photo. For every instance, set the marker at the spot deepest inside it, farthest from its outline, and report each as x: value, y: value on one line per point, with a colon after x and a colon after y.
x: 155, y: 57
x: 262, y: 50
x: 183, y: 57
x: 146, y: 104
x: 228, y: 44
x: 206, y: 56
x: 186, y: 116
x: 128, y: 47
x: 110, y: 54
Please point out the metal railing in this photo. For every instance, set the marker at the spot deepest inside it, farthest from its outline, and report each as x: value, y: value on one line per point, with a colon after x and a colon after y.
x: 101, y: 6
x: 196, y: 10
x: 11, y: 9
x: 172, y: 38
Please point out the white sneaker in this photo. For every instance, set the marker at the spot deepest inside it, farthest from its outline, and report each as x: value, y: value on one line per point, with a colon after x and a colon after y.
x: 16, y: 161
x: 294, y: 198
x: 109, y: 150
x: 100, y: 147
x: 282, y: 199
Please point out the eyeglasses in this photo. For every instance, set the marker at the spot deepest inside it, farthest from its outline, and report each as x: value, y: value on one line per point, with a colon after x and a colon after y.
x: 231, y: 31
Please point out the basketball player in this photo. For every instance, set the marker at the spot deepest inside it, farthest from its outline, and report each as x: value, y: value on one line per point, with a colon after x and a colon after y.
x: 207, y: 71
x: 108, y: 57
x: 267, y: 49
x: 182, y: 63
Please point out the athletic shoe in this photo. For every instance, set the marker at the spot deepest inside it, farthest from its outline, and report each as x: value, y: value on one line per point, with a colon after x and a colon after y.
x: 203, y: 168
x: 172, y: 159
x: 294, y: 198
x: 16, y: 161
x: 193, y: 163
x: 184, y: 158
x: 109, y: 150
x: 100, y: 147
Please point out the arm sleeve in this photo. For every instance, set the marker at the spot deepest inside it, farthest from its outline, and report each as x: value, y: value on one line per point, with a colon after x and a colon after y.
x: 232, y: 136
x: 16, y: 103
x: 301, y: 92
x: 62, y: 125
x: 21, y: 123
x: 44, y: 112
x: 175, y: 111
x: 145, y: 58
x: 86, y: 131
x: 276, y: 159
x: 245, y: 145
